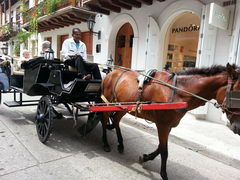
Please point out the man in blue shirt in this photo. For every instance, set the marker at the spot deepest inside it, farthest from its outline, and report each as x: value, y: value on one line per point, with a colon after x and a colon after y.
x: 75, y: 54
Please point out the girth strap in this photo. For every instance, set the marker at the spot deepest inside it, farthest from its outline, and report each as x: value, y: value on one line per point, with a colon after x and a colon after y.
x: 174, y: 83
x: 115, y: 85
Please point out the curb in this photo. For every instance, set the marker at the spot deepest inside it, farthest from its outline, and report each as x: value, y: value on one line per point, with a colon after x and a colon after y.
x: 143, y: 125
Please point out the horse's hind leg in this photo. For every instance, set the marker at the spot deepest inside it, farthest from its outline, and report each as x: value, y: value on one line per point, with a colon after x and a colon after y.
x: 104, y: 121
x: 116, y: 119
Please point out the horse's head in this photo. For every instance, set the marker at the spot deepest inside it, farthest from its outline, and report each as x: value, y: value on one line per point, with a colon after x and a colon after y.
x: 229, y: 97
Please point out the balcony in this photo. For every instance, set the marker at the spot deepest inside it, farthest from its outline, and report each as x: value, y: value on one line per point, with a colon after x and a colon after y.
x: 64, y: 14
x: 2, y: 2
x: 8, y: 31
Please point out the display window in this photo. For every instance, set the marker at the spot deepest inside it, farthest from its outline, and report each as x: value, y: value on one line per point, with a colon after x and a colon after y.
x: 182, y: 42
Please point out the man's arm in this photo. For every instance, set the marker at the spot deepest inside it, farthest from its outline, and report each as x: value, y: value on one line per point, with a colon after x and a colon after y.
x: 84, y: 54
x: 65, y: 49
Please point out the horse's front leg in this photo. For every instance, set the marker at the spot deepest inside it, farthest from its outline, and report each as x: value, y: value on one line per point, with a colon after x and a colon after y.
x: 116, y: 120
x: 151, y: 156
x: 164, y: 156
x: 163, y: 133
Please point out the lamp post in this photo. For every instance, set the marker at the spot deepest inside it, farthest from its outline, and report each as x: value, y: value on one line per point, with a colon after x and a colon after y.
x: 90, y: 23
x: 5, y: 49
x: 110, y: 61
x: 49, y: 54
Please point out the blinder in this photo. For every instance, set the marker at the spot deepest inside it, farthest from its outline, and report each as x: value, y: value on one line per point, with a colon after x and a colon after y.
x: 233, y: 97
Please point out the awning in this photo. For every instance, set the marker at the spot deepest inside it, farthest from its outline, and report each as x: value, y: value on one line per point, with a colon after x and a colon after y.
x: 64, y: 17
x: 107, y: 6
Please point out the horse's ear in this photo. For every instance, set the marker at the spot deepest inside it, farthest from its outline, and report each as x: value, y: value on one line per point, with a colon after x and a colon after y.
x: 231, y: 71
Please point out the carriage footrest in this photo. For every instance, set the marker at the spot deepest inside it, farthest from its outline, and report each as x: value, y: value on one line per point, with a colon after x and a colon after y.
x: 19, y: 103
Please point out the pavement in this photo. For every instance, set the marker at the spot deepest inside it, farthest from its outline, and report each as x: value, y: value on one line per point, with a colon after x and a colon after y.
x: 198, y: 149
x: 212, y: 139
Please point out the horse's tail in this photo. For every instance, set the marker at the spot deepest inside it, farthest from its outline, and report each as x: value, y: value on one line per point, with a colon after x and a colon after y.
x: 105, y: 82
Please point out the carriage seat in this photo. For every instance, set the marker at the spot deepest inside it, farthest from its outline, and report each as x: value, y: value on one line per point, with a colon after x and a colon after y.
x: 73, y: 69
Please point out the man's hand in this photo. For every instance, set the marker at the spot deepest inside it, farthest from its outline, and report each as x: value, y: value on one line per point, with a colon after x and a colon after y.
x: 74, y: 55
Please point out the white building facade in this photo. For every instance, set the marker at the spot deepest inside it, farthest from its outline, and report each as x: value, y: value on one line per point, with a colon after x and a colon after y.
x: 152, y: 27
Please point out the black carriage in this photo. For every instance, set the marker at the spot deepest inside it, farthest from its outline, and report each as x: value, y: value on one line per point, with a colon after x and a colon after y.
x: 47, y: 78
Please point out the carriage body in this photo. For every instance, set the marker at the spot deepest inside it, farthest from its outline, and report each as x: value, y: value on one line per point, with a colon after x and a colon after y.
x: 49, y: 79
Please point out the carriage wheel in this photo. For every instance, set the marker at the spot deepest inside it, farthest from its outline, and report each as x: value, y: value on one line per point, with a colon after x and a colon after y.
x: 44, y: 119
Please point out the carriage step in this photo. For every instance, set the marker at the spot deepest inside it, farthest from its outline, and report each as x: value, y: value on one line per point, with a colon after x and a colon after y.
x: 20, y: 90
x: 21, y: 103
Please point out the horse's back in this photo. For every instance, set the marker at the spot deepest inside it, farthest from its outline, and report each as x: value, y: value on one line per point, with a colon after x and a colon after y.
x: 120, y: 85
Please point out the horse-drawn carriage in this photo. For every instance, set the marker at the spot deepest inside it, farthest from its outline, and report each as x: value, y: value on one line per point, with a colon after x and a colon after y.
x: 52, y: 80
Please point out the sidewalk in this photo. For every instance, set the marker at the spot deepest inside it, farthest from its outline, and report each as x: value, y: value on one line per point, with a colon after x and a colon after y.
x: 205, y: 137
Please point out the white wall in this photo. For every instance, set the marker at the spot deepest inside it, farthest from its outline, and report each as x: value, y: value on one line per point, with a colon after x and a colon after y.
x: 163, y: 13
x: 138, y: 18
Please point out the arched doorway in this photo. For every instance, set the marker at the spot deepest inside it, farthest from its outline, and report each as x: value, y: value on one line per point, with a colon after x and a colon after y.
x: 182, y: 42
x: 124, y: 44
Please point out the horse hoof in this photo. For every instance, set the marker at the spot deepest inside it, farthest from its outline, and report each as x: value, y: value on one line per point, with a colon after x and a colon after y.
x: 140, y: 160
x: 143, y: 159
x: 120, y: 148
x: 110, y: 126
x: 107, y: 148
x: 164, y: 176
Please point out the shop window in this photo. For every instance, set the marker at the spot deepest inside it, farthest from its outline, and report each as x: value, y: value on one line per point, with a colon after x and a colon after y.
x: 182, y: 42
x: 172, y: 47
x: 169, y: 56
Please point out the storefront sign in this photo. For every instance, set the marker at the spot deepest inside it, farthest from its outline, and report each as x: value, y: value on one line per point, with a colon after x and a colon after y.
x: 219, y: 16
x: 186, y: 29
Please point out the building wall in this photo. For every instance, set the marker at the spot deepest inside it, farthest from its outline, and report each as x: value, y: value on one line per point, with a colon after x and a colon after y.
x: 163, y: 13
x: 138, y: 18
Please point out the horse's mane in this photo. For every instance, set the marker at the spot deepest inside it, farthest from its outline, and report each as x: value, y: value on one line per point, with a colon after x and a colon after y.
x: 209, y: 71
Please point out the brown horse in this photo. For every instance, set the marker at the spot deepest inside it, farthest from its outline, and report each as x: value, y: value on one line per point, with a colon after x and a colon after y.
x: 209, y: 83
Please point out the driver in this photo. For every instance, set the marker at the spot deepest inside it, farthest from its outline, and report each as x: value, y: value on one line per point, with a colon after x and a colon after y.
x: 74, y: 52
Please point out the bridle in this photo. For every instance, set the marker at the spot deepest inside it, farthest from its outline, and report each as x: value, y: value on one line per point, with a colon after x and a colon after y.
x: 232, y: 98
